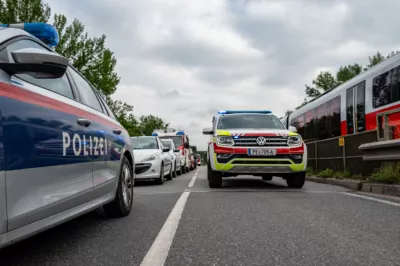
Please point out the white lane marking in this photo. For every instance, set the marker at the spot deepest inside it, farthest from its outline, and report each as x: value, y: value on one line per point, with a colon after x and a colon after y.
x: 158, y: 252
x: 191, y: 183
x: 373, y: 199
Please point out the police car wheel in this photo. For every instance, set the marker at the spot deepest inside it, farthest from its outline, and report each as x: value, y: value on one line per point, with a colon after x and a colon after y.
x: 160, y: 179
x: 296, y: 180
x: 174, y: 174
x: 180, y: 170
x: 122, y: 204
x: 169, y: 176
x: 214, y: 178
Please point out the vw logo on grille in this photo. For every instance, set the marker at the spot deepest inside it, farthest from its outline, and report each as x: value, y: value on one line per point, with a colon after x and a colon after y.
x: 261, y: 141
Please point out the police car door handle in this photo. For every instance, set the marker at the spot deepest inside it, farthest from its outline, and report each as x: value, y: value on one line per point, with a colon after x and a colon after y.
x: 117, y: 131
x: 84, y: 122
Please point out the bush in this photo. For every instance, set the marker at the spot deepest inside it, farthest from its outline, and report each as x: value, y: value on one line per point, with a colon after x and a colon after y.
x: 310, y: 171
x: 387, y: 173
x: 326, y: 173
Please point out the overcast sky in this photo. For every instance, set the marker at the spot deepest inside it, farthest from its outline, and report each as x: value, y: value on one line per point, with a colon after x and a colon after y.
x: 185, y: 60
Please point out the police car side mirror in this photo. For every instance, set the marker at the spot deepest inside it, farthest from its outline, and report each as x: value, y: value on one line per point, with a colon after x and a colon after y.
x: 207, y: 131
x: 293, y: 129
x: 37, y: 63
x: 166, y: 149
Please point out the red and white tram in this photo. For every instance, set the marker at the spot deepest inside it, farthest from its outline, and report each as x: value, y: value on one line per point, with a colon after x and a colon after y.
x: 353, y: 106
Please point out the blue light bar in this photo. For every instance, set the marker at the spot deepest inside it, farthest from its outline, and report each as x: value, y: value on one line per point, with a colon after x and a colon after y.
x: 245, y: 112
x: 154, y: 134
x: 180, y: 133
x: 43, y: 31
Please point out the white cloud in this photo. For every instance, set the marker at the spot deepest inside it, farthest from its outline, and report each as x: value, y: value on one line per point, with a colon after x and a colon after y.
x: 184, y: 60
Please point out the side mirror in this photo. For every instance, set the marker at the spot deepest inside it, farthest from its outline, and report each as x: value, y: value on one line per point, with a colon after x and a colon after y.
x: 293, y: 129
x: 186, y: 145
x: 166, y: 149
x: 207, y: 131
x: 177, y: 150
x: 37, y: 63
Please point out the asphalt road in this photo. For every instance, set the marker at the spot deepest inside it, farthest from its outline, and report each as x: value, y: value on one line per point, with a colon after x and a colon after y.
x: 248, y: 222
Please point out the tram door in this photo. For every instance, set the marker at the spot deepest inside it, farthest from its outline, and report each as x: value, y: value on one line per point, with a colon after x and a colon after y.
x: 355, y: 108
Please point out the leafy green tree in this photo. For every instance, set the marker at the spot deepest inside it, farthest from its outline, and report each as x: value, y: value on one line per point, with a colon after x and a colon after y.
x: 88, y: 55
x: 148, y: 123
x: 16, y: 11
x: 324, y: 81
x: 302, y: 104
x: 123, y: 112
x: 347, y: 72
x: 374, y: 59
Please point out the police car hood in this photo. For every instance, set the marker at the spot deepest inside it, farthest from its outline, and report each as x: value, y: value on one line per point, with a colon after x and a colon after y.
x: 141, y: 154
x: 254, y: 132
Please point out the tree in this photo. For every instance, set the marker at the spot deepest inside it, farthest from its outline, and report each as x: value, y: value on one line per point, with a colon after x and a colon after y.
x: 123, y: 112
x: 16, y: 11
x: 374, y: 59
x: 88, y: 55
x: 324, y: 81
x: 147, y: 124
x: 302, y: 104
x: 347, y: 72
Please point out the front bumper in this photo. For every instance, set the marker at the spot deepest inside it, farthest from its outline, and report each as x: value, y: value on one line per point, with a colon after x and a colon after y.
x: 147, y: 170
x: 236, y: 161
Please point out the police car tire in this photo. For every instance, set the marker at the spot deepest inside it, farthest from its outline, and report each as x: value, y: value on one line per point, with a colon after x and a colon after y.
x: 174, y: 174
x: 296, y: 180
x: 117, y: 207
x: 169, y: 176
x: 214, y: 178
x: 160, y: 179
x: 180, y: 170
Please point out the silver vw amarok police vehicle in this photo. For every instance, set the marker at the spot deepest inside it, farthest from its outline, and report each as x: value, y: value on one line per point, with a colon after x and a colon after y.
x: 62, y: 153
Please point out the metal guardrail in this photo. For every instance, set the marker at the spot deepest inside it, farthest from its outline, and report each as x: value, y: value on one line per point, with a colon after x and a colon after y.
x: 386, y: 150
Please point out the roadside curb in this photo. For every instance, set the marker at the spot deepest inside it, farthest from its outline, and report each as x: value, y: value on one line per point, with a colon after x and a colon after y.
x: 357, y: 185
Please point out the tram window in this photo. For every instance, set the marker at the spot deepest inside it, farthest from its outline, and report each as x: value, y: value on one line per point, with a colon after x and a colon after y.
x: 310, y: 129
x: 335, y: 117
x: 385, y: 88
x: 323, y: 121
x: 360, y: 107
x: 349, y: 111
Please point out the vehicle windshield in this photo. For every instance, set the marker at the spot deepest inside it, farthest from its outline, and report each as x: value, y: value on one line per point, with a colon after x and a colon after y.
x: 177, y: 139
x: 249, y: 121
x: 144, y: 143
x: 167, y: 144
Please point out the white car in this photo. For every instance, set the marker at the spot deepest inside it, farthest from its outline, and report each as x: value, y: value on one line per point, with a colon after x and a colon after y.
x: 152, y: 159
x: 176, y: 154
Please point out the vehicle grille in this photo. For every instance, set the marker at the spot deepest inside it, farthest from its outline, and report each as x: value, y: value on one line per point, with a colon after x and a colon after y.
x: 270, y: 141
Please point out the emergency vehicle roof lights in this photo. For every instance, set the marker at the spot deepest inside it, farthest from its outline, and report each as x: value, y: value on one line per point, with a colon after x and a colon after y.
x: 180, y: 133
x: 43, y: 31
x: 154, y: 134
x: 245, y: 112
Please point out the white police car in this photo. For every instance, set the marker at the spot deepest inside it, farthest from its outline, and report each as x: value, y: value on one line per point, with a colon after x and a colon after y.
x: 62, y: 153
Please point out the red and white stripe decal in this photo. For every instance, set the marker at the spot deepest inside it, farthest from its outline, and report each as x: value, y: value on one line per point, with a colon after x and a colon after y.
x: 237, y: 134
x: 20, y: 94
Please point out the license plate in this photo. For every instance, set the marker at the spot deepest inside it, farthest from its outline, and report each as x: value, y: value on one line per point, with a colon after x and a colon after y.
x: 261, y: 152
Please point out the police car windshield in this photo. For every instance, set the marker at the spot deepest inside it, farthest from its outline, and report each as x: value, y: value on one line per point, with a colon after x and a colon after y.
x: 177, y: 139
x: 249, y: 121
x: 146, y: 143
x: 167, y: 144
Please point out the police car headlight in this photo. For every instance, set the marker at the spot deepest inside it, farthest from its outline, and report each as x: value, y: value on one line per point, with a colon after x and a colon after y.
x: 222, y: 140
x: 151, y: 157
x: 294, y: 140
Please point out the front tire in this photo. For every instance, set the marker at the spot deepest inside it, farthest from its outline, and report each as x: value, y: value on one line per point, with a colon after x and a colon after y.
x: 180, y: 170
x: 214, y: 178
x: 160, y: 180
x: 174, y: 174
x: 122, y: 204
x: 169, y: 176
x: 296, y: 180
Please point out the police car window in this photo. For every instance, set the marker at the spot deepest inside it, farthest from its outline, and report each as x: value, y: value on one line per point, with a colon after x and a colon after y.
x: 58, y: 85
x: 167, y: 144
x: 249, y: 122
x: 110, y: 113
x: 144, y: 143
x: 87, y: 93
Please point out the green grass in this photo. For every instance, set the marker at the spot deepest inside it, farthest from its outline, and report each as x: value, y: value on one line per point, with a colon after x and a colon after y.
x: 388, y: 173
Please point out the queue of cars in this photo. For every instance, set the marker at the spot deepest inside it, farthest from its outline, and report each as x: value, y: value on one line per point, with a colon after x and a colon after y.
x: 164, y: 154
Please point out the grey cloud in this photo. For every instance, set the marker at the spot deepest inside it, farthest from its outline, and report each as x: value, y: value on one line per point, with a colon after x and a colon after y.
x: 169, y: 94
